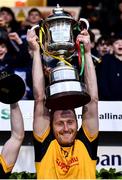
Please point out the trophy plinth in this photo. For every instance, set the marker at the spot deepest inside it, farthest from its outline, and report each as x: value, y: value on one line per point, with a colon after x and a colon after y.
x: 65, y: 90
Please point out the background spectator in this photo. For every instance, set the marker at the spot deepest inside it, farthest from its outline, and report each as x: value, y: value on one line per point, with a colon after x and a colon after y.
x: 34, y: 17
x: 14, y: 55
x: 103, y: 45
x: 11, y: 24
x: 109, y: 73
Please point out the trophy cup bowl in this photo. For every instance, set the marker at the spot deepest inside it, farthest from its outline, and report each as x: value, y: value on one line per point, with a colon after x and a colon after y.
x: 59, y: 35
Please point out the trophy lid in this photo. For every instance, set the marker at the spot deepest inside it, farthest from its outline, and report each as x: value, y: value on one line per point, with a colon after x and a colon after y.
x: 60, y: 13
x: 12, y: 87
x: 58, y: 10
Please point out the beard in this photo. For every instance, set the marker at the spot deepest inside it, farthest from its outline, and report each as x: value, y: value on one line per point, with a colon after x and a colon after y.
x: 66, y: 142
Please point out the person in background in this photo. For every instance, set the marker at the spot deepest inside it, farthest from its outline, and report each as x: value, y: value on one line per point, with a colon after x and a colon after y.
x: 34, y: 17
x: 14, y: 55
x: 103, y: 46
x: 109, y: 72
x: 61, y: 150
x: 10, y: 150
x: 11, y: 24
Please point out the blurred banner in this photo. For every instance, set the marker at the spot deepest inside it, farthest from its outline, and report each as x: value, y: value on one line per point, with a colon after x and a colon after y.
x: 46, y: 11
x: 108, y: 157
x: 36, y: 2
x: 22, y: 3
x: 8, y: 3
x: 110, y: 115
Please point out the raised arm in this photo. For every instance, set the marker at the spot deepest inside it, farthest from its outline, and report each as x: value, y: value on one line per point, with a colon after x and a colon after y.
x: 41, y: 114
x: 12, y: 146
x: 90, y: 111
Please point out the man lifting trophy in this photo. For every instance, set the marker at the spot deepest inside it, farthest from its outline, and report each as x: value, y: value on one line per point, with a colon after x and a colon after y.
x: 65, y: 87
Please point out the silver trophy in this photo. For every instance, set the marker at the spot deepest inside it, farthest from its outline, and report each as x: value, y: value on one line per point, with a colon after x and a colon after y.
x: 65, y: 89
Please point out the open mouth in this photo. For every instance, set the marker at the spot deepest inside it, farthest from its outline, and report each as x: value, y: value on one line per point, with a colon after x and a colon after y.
x: 120, y: 49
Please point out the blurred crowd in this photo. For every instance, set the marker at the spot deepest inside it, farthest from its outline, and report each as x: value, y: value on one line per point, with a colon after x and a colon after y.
x: 105, y: 19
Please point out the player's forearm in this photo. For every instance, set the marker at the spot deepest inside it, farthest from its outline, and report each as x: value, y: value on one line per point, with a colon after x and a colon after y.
x: 38, y: 76
x: 90, y: 76
x: 17, y: 125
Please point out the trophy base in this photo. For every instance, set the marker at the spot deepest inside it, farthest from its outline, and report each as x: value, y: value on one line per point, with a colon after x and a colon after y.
x: 67, y: 100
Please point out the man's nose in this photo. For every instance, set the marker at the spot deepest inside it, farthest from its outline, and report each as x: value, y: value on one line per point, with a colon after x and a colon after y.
x: 66, y: 127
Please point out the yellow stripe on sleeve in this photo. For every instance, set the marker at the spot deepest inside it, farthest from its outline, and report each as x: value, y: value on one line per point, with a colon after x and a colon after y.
x: 88, y: 135
x: 6, y: 168
x: 43, y: 136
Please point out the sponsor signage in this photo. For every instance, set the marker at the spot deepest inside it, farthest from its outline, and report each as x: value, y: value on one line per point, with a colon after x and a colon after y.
x: 27, y: 112
x: 110, y: 115
x: 109, y: 157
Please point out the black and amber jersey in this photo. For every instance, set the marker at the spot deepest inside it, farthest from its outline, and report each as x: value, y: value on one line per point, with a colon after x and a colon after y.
x: 76, y: 162
x: 5, y: 170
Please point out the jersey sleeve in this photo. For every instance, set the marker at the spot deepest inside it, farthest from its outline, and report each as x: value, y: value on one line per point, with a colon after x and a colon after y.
x: 91, y: 143
x: 41, y: 144
x: 5, y: 170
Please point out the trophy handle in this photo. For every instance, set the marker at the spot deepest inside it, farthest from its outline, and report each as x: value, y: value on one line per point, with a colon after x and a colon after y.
x: 83, y: 23
x: 41, y: 33
x: 34, y: 27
